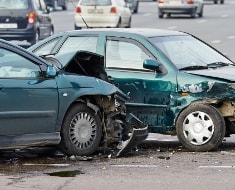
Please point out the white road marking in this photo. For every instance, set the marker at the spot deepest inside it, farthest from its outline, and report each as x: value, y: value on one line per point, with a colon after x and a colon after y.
x: 216, y: 41
x: 134, y: 166
x: 231, y: 37
x: 172, y: 27
x: 54, y: 165
x: 148, y: 14
x: 233, y: 167
x: 202, y: 21
x: 224, y: 16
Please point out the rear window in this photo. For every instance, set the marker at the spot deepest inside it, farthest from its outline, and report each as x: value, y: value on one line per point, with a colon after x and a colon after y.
x: 96, y: 2
x: 14, y: 4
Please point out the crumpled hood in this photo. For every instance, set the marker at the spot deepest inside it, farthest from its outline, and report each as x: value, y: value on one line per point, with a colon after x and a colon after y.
x: 225, y: 73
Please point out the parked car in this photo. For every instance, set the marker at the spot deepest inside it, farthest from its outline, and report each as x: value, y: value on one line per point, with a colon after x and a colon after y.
x: 216, y: 1
x: 53, y: 4
x: 25, y: 20
x: 44, y: 103
x: 133, y: 5
x: 177, y: 84
x: 190, y: 7
x: 102, y: 14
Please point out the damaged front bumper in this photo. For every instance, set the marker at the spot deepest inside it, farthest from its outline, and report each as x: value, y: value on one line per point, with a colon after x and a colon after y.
x: 137, y: 135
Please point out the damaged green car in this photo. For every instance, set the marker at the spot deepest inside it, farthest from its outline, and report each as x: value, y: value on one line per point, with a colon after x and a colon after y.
x: 177, y: 84
x: 44, y: 104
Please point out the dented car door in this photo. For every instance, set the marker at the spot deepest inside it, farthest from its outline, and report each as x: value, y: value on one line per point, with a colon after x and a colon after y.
x: 149, y: 92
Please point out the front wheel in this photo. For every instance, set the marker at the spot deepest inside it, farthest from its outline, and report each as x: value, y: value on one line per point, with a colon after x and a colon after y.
x: 200, y: 127
x: 81, y: 131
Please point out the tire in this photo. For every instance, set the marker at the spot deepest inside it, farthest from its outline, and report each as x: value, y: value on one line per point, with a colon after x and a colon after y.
x: 201, y: 13
x: 215, y: 1
x: 160, y: 15
x: 221, y: 1
x: 193, y: 14
x: 136, y: 8
x: 119, y: 24
x: 64, y: 8
x: 81, y: 131
x: 36, y: 38
x: 77, y: 27
x: 200, y: 127
x: 52, y: 31
x: 129, y: 24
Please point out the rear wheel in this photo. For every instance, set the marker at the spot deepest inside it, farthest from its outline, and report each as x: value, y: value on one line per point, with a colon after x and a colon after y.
x: 35, y: 38
x: 200, y: 14
x: 160, y: 14
x: 119, y: 24
x: 215, y: 1
x: 200, y: 127
x: 193, y: 14
x: 81, y: 131
x: 64, y: 8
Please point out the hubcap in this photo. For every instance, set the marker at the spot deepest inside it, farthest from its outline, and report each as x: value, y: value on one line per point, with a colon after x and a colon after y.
x: 83, y: 130
x: 198, y: 128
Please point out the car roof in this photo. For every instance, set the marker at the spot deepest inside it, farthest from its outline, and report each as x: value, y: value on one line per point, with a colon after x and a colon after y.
x: 146, y: 32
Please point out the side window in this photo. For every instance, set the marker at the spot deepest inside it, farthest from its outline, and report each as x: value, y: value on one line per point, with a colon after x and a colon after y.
x: 75, y: 43
x: 123, y: 54
x: 46, y: 48
x: 13, y: 65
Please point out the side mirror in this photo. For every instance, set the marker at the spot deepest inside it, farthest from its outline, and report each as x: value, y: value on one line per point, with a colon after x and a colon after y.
x: 151, y: 64
x: 51, y: 71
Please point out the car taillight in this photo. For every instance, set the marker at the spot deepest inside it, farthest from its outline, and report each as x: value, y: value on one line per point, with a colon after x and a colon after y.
x: 160, y: 1
x: 78, y: 10
x: 113, y: 10
x: 31, y: 18
x: 189, y: 1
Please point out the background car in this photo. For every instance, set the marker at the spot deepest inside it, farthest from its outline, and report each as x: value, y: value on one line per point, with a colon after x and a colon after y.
x: 133, y: 5
x: 102, y: 14
x: 216, y: 1
x: 44, y: 103
x: 25, y: 20
x: 53, y: 4
x: 177, y: 84
x: 190, y: 7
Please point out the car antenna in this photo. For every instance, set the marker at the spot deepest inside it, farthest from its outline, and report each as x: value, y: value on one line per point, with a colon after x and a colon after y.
x: 80, y: 14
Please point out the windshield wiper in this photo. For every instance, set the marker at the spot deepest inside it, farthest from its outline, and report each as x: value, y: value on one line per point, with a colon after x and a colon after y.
x: 217, y: 64
x: 194, y: 67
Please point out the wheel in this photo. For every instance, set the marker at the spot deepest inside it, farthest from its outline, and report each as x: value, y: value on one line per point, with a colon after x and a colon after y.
x: 160, y: 14
x: 119, y: 24
x: 64, y: 8
x: 193, y: 14
x: 200, y: 127
x: 200, y: 14
x: 36, y: 38
x: 221, y: 1
x: 81, y: 131
x: 77, y: 27
x: 136, y: 8
x: 215, y: 1
x: 168, y: 14
x: 129, y: 24
x: 52, y: 31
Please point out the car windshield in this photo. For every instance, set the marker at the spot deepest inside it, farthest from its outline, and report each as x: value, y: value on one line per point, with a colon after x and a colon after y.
x: 96, y: 2
x: 187, y: 52
x: 14, y: 4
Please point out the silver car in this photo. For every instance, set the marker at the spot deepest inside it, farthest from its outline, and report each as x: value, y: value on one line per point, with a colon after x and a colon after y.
x: 190, y: 7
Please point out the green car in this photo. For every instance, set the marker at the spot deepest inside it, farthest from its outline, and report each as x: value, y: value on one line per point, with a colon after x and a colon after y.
x: 43, y: 104
x: 177, y: 84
